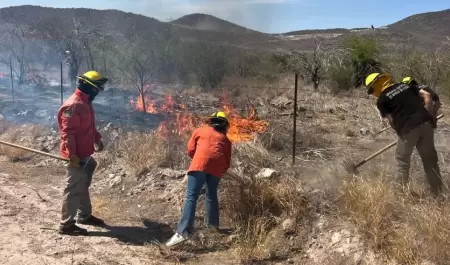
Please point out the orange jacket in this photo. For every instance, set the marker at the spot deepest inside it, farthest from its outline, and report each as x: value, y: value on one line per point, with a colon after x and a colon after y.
x: 76, y: 122
x: 210, y: 151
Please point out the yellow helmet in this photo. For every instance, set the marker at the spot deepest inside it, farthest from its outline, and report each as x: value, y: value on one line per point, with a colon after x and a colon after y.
x: 407, y: 80
x: 374, y: 87
x: 219, y: 115
x: 94, y: 78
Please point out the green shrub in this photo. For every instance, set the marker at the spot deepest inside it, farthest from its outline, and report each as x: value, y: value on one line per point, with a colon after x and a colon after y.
x: 340, y: 78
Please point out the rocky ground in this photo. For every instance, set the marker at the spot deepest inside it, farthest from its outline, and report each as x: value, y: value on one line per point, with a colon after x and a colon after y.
x: 141, y: 212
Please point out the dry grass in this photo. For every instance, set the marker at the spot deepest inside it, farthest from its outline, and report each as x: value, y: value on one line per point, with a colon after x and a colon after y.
x: 255, y: 207
x: 22, y: 135
x: 142, y: 151
x: 406, y: 226
x: 253, y: 155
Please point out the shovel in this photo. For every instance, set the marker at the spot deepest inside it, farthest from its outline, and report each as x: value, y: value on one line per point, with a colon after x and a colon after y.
x: 352, y: 168
x: 35, y: 151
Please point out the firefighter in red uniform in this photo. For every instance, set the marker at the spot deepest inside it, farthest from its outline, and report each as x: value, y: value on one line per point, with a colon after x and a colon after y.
x: 79, y: 140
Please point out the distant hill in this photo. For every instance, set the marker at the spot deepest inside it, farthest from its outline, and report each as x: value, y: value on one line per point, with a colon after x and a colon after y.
x: 427, y: 30
x: 431, y: 23
x: 119, y: 23
x: 211, y: 23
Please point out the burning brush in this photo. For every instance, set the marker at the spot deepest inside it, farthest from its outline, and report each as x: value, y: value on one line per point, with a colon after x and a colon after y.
x: 181, y: 121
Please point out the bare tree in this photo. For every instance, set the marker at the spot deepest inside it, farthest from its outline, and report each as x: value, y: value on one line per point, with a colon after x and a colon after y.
x: 14, y: 44
x: 79, y: 38
x: 310, y: 65
x: 136, y: 66
x: 426, y: 67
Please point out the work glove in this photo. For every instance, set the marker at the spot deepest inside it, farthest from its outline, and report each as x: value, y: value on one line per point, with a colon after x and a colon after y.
x: 99, y: 146
x: 74, y: 161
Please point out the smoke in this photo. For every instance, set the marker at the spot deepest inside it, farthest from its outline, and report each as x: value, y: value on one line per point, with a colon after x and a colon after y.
x: 253, y: 14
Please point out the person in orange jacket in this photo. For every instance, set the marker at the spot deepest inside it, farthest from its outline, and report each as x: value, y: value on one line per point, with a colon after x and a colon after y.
x: 79, y: 137
x: 210, y: 150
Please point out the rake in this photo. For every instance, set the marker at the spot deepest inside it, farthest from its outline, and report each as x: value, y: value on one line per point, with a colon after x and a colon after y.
x: 352, y: 168
x: 35, y: 151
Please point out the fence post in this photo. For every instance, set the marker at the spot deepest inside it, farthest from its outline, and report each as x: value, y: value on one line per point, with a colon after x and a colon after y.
x: 294, y: 133
x: 62, y: 86
x: 12, y: 79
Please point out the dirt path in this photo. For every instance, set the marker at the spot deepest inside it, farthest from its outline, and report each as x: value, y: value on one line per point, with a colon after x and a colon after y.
x: 29, y: 214
x: 29, y: 217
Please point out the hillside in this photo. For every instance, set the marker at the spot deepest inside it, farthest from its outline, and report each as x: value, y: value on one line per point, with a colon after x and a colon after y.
x: 431, y: 23
x: 427, y: 30
x: 207, y: 22
x: 119, y: 23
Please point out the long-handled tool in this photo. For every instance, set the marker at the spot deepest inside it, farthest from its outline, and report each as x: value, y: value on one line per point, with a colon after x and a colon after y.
x: 383, y: 130
x: 352, y: 167
x: 35, y: 151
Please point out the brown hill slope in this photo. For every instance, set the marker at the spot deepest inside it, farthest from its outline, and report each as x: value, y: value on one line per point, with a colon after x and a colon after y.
x: 427, y: 30
x: 211, y: 23
x: 120, y: 23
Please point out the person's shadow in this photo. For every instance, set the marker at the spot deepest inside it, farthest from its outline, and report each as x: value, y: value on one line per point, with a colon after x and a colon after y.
x: 151, y: 233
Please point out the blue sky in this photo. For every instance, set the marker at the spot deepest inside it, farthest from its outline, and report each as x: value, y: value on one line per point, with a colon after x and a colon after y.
x: 272, y: 16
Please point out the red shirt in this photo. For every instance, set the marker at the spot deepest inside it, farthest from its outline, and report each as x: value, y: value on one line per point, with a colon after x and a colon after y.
x: 76, y: 122
x: 210, y: 151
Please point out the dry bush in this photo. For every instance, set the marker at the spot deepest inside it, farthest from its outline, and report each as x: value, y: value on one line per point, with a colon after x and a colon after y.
x: 142, y: 151
x: 21, y: 135
x: 404, y: 226
x: 252, y: 154
x: 371, y: 205
x: 277, y: 137
x: 255, y: 206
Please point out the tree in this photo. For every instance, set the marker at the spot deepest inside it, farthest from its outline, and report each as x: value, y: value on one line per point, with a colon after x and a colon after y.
x: 137, y: 66
x: 364, y: 53
x: 14, y: 43
x: 426, y: 67
x: 209, y: 63
x: 311, y: 65
x: 79, y: 38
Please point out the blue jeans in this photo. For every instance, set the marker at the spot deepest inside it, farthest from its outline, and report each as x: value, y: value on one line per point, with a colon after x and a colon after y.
x: 195, y: 182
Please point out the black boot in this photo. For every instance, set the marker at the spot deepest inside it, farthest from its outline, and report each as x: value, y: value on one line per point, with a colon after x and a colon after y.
x: 94, y: 221
x: 73, y: 230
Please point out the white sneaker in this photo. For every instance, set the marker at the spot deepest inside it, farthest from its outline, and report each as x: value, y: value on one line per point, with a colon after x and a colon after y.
x: 176, y: 239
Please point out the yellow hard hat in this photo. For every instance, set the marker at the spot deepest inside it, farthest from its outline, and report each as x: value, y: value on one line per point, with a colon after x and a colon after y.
x: 407, y: 80
x: 370, y: 79
x: 220, y: 115
x: 94, y: 78
x: 375, y: 83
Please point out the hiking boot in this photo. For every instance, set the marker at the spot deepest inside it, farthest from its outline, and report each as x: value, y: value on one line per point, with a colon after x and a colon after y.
x: 176, y: 239
x: 72, y: 230
x: 213, y: 229
x: 94, y: 221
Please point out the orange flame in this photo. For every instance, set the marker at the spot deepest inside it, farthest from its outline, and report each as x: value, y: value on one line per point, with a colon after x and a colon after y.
x: 243, y: 129
x: 150, y: 105
x: 181, y: 122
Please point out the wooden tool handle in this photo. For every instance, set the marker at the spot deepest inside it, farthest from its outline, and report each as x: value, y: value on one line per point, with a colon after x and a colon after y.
x: 34, y: 151
x: 437, y: 118
x: 362, y: 162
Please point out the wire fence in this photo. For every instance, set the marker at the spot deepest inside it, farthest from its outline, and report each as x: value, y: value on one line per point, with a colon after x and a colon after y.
x: 119, y: 104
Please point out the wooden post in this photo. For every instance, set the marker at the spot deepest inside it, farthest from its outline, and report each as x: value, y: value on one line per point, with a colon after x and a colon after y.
x: 294, y: 133
x: 12, y: 79
x: 62, y: 85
